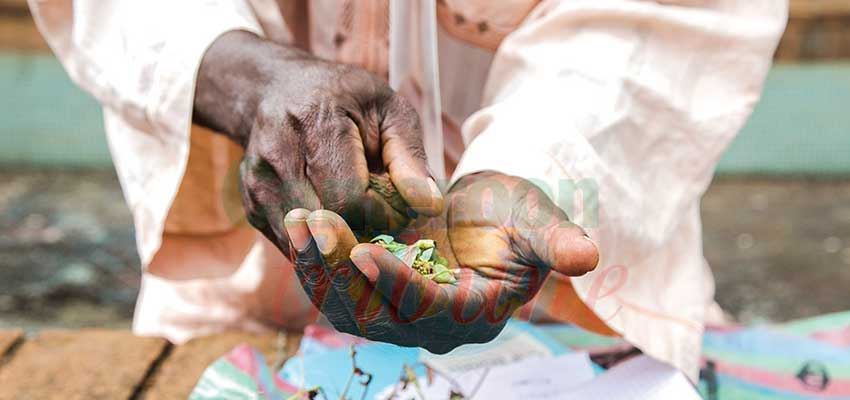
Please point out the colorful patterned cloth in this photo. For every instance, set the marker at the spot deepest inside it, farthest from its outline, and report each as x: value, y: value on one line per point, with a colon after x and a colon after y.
x: 806, y: 359
x: 802, y: 359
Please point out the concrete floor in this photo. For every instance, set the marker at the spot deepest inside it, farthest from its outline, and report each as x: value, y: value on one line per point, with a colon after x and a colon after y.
x: 780, y: 249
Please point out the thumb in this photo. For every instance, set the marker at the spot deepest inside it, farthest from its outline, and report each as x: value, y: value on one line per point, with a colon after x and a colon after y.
x: 404, y: 157
x: 550, y: 238
x: 410, y: 294
x: 566, y: 249
x: 332, y: 235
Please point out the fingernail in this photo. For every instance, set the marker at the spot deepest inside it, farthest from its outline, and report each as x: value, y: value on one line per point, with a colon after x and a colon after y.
x: 299, y: 234
x: 592, y: 243
x: 437, y: 200
x: 324, y: 233
x: 366, y: 265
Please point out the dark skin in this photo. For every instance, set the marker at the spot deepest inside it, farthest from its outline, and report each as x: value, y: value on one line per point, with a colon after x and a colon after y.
x: 502, y: 235
x: 314, y: 133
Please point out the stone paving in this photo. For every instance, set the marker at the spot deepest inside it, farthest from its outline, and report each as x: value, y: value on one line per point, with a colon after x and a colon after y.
x: 780, y: 249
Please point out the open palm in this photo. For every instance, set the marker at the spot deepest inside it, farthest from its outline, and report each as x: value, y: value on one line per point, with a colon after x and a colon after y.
x: 501, y: 234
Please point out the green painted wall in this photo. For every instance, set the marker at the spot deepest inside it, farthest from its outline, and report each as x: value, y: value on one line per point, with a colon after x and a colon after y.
x: 44, y: 118
x: 801, y: 126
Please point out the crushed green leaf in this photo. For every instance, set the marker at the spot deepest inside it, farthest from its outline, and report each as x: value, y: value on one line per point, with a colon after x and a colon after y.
x: 421, y: 256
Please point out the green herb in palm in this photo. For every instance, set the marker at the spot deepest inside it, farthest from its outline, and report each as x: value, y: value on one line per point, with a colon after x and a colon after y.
x: 422, y: 256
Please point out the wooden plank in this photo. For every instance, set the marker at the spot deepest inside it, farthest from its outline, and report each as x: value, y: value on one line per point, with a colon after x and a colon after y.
x: 17, y: 28
x: 20, y: 33
x: 797, y: 8
x: 83, y: 364
x: 813, y: 39
x: 13, y: 7
x: 179, y: 373
x: 818, y: 8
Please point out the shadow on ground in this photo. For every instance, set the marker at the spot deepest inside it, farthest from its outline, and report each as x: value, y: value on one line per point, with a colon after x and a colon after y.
x: 780, y: 249
x: 67, y: 250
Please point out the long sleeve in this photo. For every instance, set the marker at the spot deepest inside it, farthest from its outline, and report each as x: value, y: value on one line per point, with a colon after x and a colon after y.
x: 139, y: 59
x: 620, y: 110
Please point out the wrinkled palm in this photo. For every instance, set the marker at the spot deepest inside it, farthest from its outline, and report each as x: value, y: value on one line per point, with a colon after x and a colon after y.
x: 502, y: 234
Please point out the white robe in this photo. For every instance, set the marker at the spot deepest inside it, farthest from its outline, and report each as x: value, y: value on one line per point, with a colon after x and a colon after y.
x: 618, y: 109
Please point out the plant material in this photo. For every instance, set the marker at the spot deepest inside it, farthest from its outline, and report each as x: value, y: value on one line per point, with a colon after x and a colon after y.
x: 366, y: 378
x: 309, y: 394
x: 421, y: 256
x: 410, y: 376
x: 383, y: 186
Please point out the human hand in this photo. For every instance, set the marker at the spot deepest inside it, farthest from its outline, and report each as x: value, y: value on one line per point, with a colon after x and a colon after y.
x: 503, y: 235
x: 313, y: 132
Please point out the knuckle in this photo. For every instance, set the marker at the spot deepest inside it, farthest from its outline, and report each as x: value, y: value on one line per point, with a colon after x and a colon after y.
x: 320, y: 112
x: 403, y: 113
x: 254, y: 170
x: 348, y: 195
x: 248, y: 165
x: 268, y: 113
x: 259, y: 177
x: 257, y: 220
x: 416, y: 149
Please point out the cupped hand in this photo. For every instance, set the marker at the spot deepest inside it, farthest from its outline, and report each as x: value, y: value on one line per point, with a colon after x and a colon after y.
x: 313, y: 132
x: 501, y: 234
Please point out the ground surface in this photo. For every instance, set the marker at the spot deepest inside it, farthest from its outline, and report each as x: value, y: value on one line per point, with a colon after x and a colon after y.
x: 780, y: 249
x: 115, y: 364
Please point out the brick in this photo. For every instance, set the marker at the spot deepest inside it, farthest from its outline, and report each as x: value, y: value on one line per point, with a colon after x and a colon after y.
x: 82, y: 364
x: 817, y: 30
x: 818, y: 8
x: 18, y: 32
x: 819, y: 38
x: 179, y: 373
x: 14, y: 6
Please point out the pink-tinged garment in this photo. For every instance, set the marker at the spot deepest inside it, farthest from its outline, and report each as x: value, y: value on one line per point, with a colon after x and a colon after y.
x: 618, y: 109
x: 248, y: 360
x: 329, y: 337
x: 840, y: 337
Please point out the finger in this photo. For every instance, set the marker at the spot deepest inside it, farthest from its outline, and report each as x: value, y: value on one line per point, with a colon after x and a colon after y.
x: 261, y: 201
x: 270, y: 162
x: 424, y: 313
x: 332, y: 235
x: 381, y: 216
x: 334, y: 241
x: 295, y: 224
x: 552, y: 239
x: 336, y: 164
x: 568, y: 250
x: 341, y: 293
x: 308, y: 264
x: 411, y: 295
x: 372, y: 312
x: 356, y: 306
x: 269, y: 190
x: 404, y: 157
